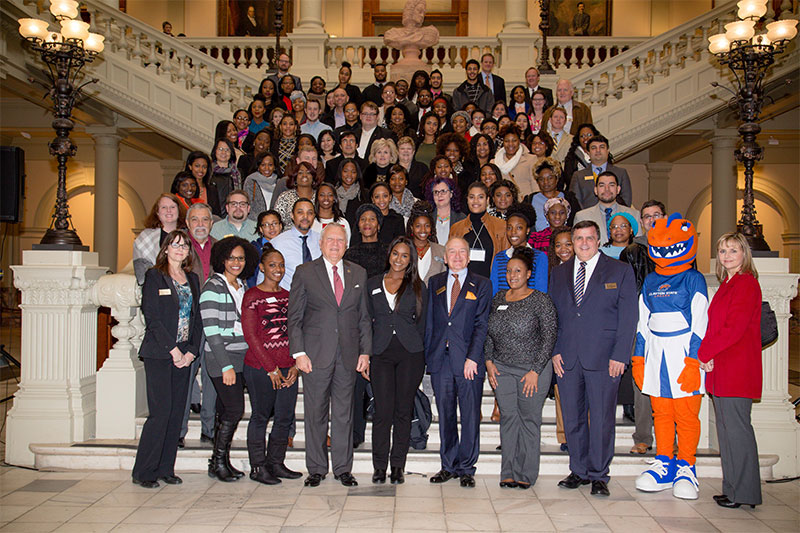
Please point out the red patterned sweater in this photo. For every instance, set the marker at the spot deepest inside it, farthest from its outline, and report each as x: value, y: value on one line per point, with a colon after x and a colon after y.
x: 264, y: 325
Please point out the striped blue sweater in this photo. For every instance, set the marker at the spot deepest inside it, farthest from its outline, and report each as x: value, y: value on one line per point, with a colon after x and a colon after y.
x: 538, y: 278
x: 223, y: 347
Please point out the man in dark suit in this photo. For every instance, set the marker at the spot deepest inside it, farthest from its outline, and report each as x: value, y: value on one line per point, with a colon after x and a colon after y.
x: 348, y: 143
x: 458, y: 315
x: 532, y: 83
x: 495, y: 83
x: 595, y: 297
x: 373, y: 92
x: 583, y: 181
x: 368, y: 131
x: 330, y: 337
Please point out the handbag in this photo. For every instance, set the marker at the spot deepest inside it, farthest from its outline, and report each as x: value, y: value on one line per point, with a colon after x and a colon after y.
x: 769, y: 325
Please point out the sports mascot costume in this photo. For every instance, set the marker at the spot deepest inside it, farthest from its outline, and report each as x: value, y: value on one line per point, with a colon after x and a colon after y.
x: 673, y: 316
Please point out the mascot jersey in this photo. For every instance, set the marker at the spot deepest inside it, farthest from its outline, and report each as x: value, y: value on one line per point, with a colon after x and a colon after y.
x: 672, y: 322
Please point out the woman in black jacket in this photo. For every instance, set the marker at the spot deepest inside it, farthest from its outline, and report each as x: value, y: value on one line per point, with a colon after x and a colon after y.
x: 397, y: 304
x: 170, y: 297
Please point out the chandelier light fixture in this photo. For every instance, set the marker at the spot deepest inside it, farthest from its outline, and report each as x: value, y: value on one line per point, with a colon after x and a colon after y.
x: 749, y: 48
x: 65, y: 53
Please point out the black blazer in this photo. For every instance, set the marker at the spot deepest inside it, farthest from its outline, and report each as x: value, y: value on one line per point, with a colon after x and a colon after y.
x: 160, y: 308
x: 409, y: 327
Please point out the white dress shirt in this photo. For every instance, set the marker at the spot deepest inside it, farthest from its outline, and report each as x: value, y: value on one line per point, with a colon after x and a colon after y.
x: 462, y: 278
x: 590, y: 265
x: 339, y: 270
x: 366, y: 135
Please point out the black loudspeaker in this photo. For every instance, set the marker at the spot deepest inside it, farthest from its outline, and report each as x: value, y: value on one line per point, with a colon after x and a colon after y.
x: 12, y: 182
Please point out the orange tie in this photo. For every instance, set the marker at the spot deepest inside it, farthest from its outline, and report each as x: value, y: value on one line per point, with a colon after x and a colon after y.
x: 454, y: 293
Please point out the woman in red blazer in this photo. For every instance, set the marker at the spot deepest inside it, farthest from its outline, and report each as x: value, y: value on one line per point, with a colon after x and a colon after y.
x: 731, y: 356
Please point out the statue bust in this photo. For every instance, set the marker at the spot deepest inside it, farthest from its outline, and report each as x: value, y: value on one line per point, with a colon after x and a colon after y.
x: 412, y: 36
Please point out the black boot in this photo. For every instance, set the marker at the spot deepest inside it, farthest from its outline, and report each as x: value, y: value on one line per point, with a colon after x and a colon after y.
x: 276, y: 454
x: 234, y: 471
x: 211, y: 467
x: 262, y: 474
x: 218, y: 464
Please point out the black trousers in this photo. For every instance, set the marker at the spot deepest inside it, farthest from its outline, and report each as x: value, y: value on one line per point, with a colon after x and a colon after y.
x: 360, y: 403
x: 263, y: 399
x: 396, y: 374
x: 167, y: 387
x: 230, y: 399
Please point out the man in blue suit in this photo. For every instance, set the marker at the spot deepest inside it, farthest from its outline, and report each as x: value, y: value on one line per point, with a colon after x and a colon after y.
x: 595, y: 297
x: 458, y: 314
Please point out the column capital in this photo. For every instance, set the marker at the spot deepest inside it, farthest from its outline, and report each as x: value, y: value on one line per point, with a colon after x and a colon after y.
x: 659, y: 169
x: 723, y: 137
x: 105, y: 134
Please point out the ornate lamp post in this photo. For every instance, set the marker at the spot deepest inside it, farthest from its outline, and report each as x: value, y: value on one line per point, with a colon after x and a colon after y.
x: 278, y: 25
x: 749, y: 56
x: 65, y: 54
x: 544, y: 26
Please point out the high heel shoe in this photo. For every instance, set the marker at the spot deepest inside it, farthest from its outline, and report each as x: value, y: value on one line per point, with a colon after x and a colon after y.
x: 725, y: 502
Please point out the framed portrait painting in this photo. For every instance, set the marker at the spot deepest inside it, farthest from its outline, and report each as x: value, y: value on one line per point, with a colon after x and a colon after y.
x: 580, y: 18
x: 251, y: 18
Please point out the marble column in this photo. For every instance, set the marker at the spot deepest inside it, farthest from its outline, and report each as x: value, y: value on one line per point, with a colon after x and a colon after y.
x: 518, y: 47
x: 658, y: 182
x: 516, y: 15
x: 310, y: 16
x: 723, y: 183
x: 106, y: 194
x: 121, y: 394
x: 55, y: 402
x: 777, y: 431
x: 308, y: 41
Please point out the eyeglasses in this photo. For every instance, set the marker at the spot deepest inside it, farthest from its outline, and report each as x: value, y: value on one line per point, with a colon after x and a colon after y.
x: 236, y: 259
x: 271, y: 225
x: 179, y: 246
x: 223, y: 149
x: 652, y: 217
x: 538, y: 143
x: 369, y: 114
x: 620, y: 226
x: 238, y: 204
x: 441, y: 192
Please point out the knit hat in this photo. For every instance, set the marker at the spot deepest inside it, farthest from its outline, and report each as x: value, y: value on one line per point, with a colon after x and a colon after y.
x: 629, y: 217
x: 462, y: 114
x: 363, y: 208
x: 558, y: 200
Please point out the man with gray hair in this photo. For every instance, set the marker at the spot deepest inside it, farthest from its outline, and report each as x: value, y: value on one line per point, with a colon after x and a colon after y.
x: 330, y: 337
x: 577, y: 112
x: 198, y: 221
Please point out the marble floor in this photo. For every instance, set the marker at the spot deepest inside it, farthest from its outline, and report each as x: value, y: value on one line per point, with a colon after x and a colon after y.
x: 85, y: 502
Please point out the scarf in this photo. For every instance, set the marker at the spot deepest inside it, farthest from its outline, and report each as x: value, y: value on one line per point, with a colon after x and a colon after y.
x: 242, y: 135
x: 286, y: 147
x: 581, y: 158
x: 404, y: 206
x: 232, y: 172
x: 347, y: 195
x: 262, y: 183
x: 507, y: 165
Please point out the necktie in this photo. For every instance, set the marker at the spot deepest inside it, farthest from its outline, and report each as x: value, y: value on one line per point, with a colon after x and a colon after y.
x: 486, y: 82
x: 306, y: 251
x: 608, y: 215
x: 579, y: 283
x: 338, y: 286
x: 454, y: 292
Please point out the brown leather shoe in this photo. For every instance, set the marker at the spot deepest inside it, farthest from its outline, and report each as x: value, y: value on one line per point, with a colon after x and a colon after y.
x: 640, y: 448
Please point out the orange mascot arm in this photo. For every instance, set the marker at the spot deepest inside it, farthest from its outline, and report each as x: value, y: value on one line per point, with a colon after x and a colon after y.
x: 689, y: 380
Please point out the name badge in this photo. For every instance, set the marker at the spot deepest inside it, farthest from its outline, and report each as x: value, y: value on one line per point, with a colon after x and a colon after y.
x: 477, y: 255
x: 502, y: 307
x: 590, y: 177
x: 376, y: 291
x: 164, y: 292
x: 440, y: 290
x: 271, y: 300
x: 611, y: 285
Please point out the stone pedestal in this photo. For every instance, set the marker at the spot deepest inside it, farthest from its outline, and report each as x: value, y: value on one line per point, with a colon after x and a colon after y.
x: 308, y: 41
x: 56, y: 398
x: 517, y: 40
x: 777, y: 431
x: 121, y: 395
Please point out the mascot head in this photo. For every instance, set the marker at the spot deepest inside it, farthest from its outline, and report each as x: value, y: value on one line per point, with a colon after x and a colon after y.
x: 672, y: 244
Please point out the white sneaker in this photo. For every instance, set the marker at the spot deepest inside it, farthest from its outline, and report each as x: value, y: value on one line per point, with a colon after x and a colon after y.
x: 686, y: 486
x: 659, y: 476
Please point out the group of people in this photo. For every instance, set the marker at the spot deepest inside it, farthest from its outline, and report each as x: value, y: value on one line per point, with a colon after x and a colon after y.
x: 374, y: 241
